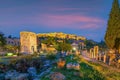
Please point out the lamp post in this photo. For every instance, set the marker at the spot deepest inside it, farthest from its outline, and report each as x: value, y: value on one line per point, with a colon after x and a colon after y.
x: 74, y: 50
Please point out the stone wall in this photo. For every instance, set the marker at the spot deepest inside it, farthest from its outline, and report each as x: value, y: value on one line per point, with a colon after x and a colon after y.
x: 28, y: 42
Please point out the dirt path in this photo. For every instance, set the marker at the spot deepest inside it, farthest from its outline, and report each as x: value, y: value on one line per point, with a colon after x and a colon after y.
x: 101, y: 63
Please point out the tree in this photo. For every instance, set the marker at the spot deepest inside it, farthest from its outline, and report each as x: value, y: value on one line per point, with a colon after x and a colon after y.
x: 90, y: 44
x: 50, y: 42
x: 102, y: 46
x: 117, y: 41
x: 9, y: 48
x: 113, y: 24
x: 2, y: 40
x: 10, y: 36
x: 63, y: 46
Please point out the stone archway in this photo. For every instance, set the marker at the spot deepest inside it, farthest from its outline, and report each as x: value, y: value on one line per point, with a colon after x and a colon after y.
x: 32, y: 48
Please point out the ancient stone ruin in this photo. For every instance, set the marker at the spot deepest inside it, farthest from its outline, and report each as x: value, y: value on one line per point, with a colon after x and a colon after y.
x: 28, y: 42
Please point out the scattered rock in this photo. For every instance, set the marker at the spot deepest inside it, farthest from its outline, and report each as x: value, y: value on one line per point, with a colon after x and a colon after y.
x: 75, y: 66
x: 36, y: 79
x: 57, y: 76
x: 32, y: 71
x: 44, y: 72
x: 61, y: 63
x: 10, y: 74
x: 78, y: 74
x: 69, y: 66
x: 2, y: 76
x: 47, y: 63
x: 20, y: 76
x: 13, y: 75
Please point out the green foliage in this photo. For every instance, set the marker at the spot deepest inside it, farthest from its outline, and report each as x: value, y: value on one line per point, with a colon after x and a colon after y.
x: 113, y: 25
x: 2, y: 40
x: 90, y: 44
x: 90, y: 73
x: 63, y: 46
x: 117, y: 43
x: 11, y: 48
x: 49, y: 41
x: 68, y: 59
x: 51, y: 56
x: 102, y: 46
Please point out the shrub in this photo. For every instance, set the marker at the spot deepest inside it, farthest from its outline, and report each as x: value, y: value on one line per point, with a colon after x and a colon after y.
x: 51, y: 56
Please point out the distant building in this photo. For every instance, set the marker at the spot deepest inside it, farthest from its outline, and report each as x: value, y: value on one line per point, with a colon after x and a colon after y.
x: 79, y: 44
x: 13, y: 41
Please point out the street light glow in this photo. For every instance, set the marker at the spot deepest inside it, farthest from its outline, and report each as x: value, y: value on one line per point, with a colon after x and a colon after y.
x: 74, y: 48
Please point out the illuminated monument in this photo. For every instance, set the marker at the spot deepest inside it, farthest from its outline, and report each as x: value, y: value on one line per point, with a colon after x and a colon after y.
x: 28, y: 42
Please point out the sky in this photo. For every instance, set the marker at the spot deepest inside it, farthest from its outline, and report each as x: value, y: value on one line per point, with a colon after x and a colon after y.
x: 81, y: 17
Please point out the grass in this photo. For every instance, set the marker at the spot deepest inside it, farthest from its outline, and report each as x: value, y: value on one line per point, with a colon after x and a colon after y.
x: 86, y: 71
x: 108, y: 72
x: 6, y: 59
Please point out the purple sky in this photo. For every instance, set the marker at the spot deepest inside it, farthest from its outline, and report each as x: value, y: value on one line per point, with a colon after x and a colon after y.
x: 82, y: 17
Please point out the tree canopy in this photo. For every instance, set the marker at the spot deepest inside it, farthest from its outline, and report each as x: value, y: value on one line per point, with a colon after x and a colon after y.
x: 90, y: 44
x: 62, y: 46
x: 113, y: 27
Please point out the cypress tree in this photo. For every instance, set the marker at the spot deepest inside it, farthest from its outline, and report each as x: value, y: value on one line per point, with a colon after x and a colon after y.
x: 113, y: 24
x: 117, y: 41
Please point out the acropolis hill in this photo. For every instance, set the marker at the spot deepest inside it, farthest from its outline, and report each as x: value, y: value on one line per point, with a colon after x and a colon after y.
x: 61, y: 35
x: 56, y: 34
x: 29, y: 40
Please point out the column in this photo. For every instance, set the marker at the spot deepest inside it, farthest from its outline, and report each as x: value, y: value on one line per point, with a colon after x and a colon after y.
x: 90, y: 53
x: 104, y: 58
x: 99, y: 57
x: 110, y: 60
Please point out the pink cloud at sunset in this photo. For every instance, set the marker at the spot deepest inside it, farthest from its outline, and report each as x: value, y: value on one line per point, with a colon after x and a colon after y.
x: 58, y: 21
x: 65, y: 9
x: 67, y: 20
